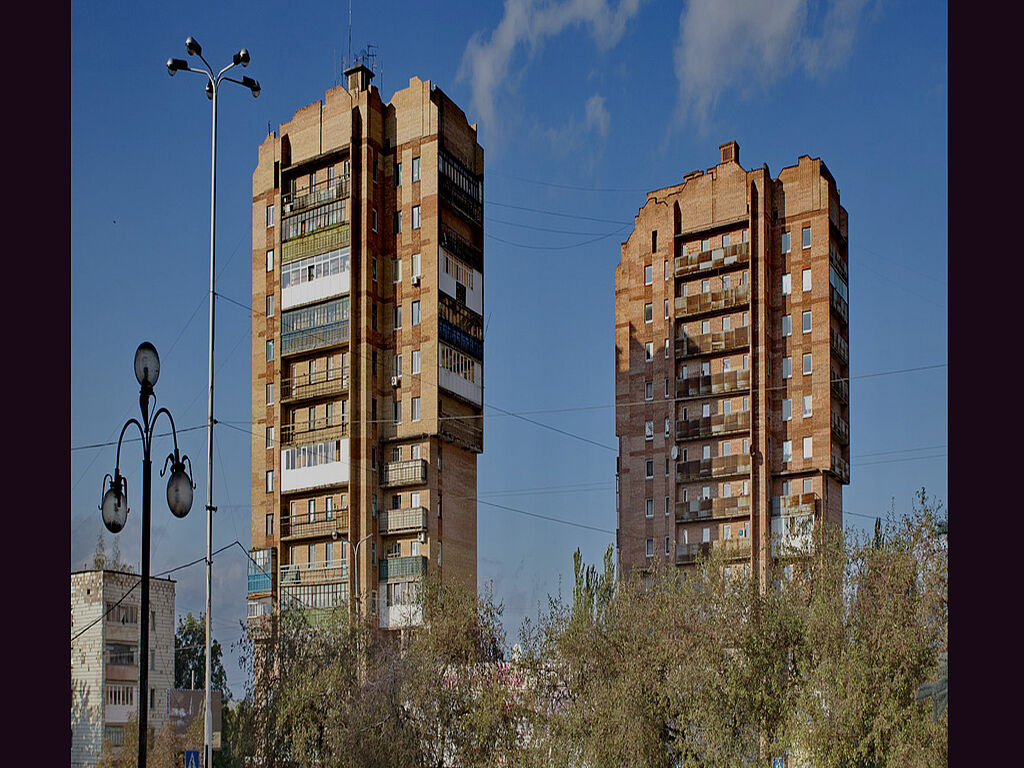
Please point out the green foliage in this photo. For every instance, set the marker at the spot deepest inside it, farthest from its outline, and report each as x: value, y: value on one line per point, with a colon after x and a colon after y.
x: 190, y: 657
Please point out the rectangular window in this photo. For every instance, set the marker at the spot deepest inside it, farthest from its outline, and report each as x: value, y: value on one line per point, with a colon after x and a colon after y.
x: 726, y: 323
x: 270, y: 216
x: 270, y: 305
x: 270, y: 437
x: 398, y: 316
x: 725, y: 283
x: 654, y: 241
x: 787, y: 409
x: 787, y: 285
x: 270, y: 260
x: 397, y: 414
x: 705, y: 326
x: 416, y: 265
x: 805, y: 237
x: 666, y: 309
x: 666, y: 349
x: 808, y: 447
x: 373, y: 316
x: 648, y: 274
x: 705, y: 245
x: 807, y: 406
x: 649, y: 469
x: 787, y: 450
x: 785, y: 242
x: 666, y: 542
x: 270, y: 394
x: 270, y: 350
x: 666, y: 388
x: 398, y: 174
x: 807, y: 321
x: 705, y: 452
x: 705, y: 286
x: 415, y: 313
x: 648, y: 313
x: 396, y: 365
x: 311, y: 510
x: 649, y: 351
x: 808, y: 485
x: 396, y: 270
x: 415, y: 169
x: 787, y: 326
x: 648, y: 430
x: 725, y: 241
x: 787, y: 367
x: 270, y: 525
x: 373, y: 219
x: 726, y: 448
x: 727, y: 407
x: 415, y: 217
x: 396, y: 225
x: 415, y: 361
x: 746, y: 234
x: 668, y: 426
x: 705, y: 534
x: 650, y: 547
x: 415, y: 409
x: 705, y: 410
x: 727, y: 363
x: 666, y: 269
x: 806, y: 277
x: 270, y: 481
x: 329, y: 509
x: 807, y: 363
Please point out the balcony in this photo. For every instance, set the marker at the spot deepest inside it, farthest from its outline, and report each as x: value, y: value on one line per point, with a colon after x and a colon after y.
x: 460, y: 187
x: 711, y: 509
x: 396, y: 473
x: 719, y: 424
x: 303, y: 574
x: 311, y: 386
x: 301, y: 527
x: 702, y: 385
x: 400, y: 616
x: 465, y: 431
x: 734, y: 549
x: 840, y: 349
x: 460, y: 200
x: 840, y: 428
x: 722, y: 466
x: 395, y: 568
x: 411, y: 520
x: 321, y: 192
x: 841, y: 389
x: 261, y: 570
x: 796, y: 504
x: 713, y: 343
x: 321, y: 241
x: 461, y: 248
x: 792, y: 535
x: 730, y: 257
x: 839, y: 305
x: 712, y: 301
x: 320, y: 337
x: 841, y: 468
x: 318, y: 430
x: 837, y: 216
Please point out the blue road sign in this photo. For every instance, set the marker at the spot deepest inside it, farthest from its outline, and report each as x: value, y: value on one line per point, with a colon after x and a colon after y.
x: 191, y: 758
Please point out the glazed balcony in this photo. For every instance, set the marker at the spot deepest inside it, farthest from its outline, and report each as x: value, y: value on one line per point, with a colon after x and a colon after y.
x: 841, y: 468
x: 712, y: 509
x: 838, y: 217
x: 413, y: 520
x: 461, y: 248
x: 718, y: 259
x: 840, y: 349
x: 719, y: 467
x: 304, y: 431
x: 321, y: 241
x: 725, y: 383
x: 712, y: 301
x: 324, y: 191
x: 396, y: 473
x: 319, y: 337
x: 303, y: 574
x: 840, y: 428
x: 839, y: 305
x: 301, y: 527
x: 460, y: 200
x: 310, y: 386
x: 796, y: 504
x: 261, y: 570
x: 841, y: 389
x: 719, y: 424
x: 395, y: 568
x: 713, y: 343
x: 734, y: 549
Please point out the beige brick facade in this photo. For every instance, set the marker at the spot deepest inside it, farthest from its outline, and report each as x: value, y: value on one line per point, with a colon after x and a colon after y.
x: 732, y: 365
x: 367, y: 410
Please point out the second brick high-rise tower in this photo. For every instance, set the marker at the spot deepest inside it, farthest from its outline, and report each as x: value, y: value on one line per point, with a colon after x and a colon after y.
x: 367, y: 351
x: 732, y: 365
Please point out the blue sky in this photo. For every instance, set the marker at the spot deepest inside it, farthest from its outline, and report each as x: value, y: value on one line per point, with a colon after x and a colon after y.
x: 582, y: 107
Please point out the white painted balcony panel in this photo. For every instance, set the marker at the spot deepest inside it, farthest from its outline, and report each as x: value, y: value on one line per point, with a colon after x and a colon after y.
x: 330, y: 473
x: 470, y: 390
x: 474, y: 295
x: 316, y: 290
x: 400, y: 616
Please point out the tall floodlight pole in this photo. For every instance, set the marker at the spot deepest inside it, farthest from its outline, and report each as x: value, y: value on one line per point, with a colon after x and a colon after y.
x: 193, y: 48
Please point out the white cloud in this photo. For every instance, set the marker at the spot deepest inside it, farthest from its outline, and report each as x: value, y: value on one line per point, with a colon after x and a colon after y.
x: 725, y: 44
x: 597, y: 115
x: 487, y: 61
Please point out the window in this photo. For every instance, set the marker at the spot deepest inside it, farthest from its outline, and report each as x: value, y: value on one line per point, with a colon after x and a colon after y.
x: 397, y: 412
x: 668, y: 426
x: 415, y: 169
x: 654, y: 241
x: 666, y: 542
x: 806, y: 278
x: 329, y: 508
x: 270, y: 524
x: 666, y: 349
x: 415, y: 361
x: 650, y: 547
x: 787, y: 367
x: 270, y: 305
x: 648, y: 390
x: 727, y: 407
x: 746, y: 403
x: 705, y: 326
x: 311, y: 510
x: 415, y: 313
x: 725, y: 283
x: 396, y: 270
x: 666, y: 269
x: 270, y: 216
x: 805, y: 237
x: 725, y: 241
x: 396, y: 365
x: 648, y: 430
x: 746, y: 362
x: 270, y: 481
x: 270, y: 394
x: 397, y: 223
x: 726, y: 323
x: 808, y: 447
x: 705, y: 534
x: 398, y: 316
x: 787, y: 325
x: 648, y: 274
x: 649, y: 351
x: 807, y: 406
x: 787, y: 285
x: 705, y: 286
x: 705, y: 452
x: 270, y: 260
x: 398, y: 174
x: 649, y: 469
x: 415, y: 217
x: 705, y: 410
x: 785, y: 242
x: 311, y: 554
x: 808, y: 485
x: 745, y: 235
x: 648, y: 508
x: 666, y: 387
x: 373, y: 316
x: 648, y: 313
x: 666, y: 309
x: 416, y: 265
x: 270, y: 437
x: 415, y: 409
x: 270, y: 350
x: 705, y: 245
x: 374, y: 219
x: 807, y: 363
x: 727, y: 489
x: 726, y: 364
x: 807, y: 321
x: 787, y: 450
x: 787, y: 409
x: 726, y: 449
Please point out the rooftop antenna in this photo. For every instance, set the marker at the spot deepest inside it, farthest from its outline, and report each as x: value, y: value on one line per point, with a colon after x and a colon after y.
x: 348, y: 61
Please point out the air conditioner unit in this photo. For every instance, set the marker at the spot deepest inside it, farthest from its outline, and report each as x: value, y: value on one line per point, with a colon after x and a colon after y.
x: 396, y: 380
x: 415, y: 279
x: 423, y: 537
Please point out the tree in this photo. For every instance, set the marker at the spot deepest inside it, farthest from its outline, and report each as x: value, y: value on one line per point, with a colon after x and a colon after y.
x: 190, y: 657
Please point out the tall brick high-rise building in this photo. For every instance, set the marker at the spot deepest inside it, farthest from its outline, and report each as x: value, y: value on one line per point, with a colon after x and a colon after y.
x: 732, y: 365
x: 367, y: 351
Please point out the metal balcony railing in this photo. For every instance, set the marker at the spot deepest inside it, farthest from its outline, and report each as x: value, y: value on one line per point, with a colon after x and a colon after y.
x: 412, y: 472
x: 465, y: 431
x: 840, y: 428
x: 722, y: 466
x: 321, y: 241
x: 320, y: 337
x: 729, y: 257
x: 261, y: 570
x: 841, y: 389
x: 733, y: 548
x: 322, y: 192
x: 839, y: 305
x: 841, y: 468
x: 700, y: 385
x: 712, y: 301
x: 837, y: 216
x: 327, y: 572
x: 301, y: 527
x: 460, y: 200
x: 709, y: 509
x: 713, y: 343
x: 320, y: 384
x: 719, y: 424
x: 411, y: 520
x: 461, y: 248
x: 394, y: 568
x: 839, y: 347
x: 303, y: 431
x: 796, y: 504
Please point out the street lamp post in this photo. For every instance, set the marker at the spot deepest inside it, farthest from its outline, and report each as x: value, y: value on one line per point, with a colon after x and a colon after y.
x: 337, y: 536
x: 114, y: 506
x: 193, y: 48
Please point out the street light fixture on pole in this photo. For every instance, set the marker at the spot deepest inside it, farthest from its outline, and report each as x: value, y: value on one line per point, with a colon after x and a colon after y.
x: 114, y: 506
x: 337, y: 536
x: 193, y: 48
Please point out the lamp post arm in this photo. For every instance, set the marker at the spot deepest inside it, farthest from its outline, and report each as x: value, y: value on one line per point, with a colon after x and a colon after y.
x: 220, y: 74
x: 198, y: 72
x: 142, y: 434
x: 174, y: 432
